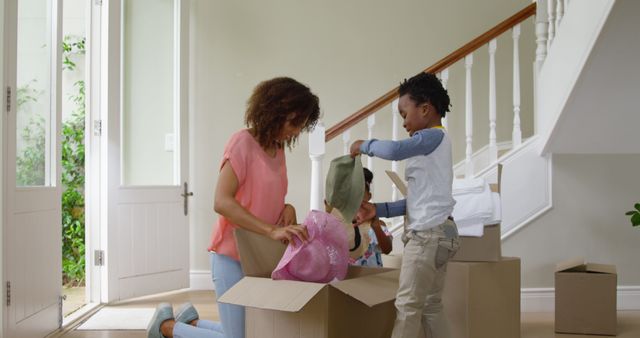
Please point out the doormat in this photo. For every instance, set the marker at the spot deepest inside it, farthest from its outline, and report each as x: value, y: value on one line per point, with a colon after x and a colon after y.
x: 118, y: 318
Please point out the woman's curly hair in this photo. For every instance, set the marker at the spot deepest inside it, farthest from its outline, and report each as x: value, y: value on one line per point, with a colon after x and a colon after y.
x: 276, y: 101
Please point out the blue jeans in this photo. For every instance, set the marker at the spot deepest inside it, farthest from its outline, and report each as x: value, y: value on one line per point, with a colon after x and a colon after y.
x: 225, y: 272
x: 205, y: 329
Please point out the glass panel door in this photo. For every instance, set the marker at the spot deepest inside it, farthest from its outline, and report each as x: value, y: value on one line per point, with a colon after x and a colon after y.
x: 34, y: 151
x: 149, y: 138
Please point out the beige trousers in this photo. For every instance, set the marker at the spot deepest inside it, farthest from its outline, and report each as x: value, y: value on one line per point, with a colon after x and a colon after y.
x: 424, y: 267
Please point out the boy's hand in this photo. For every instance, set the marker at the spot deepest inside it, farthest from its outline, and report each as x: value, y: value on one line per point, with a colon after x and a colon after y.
x: 355, y: 148
x: 366, y: 212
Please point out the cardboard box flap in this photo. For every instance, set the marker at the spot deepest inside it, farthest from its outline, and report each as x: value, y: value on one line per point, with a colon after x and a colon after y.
x: 579, y: 265
x: 373, y: 289
x: 399, y: 183
x: 601, y: 268
x: 497, y: 187
x: 265, y: 293
x: 574, y: 264
x: 259, y: 255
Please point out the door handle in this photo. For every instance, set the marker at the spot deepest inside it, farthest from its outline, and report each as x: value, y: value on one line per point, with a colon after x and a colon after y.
x: 185, y: 195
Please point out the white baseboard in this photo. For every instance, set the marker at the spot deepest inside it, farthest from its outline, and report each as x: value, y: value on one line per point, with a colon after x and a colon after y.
x: 200, y: 280
x: 537, y: 300
x: 543, y: 299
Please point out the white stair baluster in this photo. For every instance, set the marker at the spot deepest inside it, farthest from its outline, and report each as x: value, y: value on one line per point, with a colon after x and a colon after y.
x: 444, y: 76
x: 493, y: 147
x: 541, y: 34
x: 394, y: 136
x: 559, y: 12
x: 541, y: 53
x: 516, y: 134
x: 371, y: 122
x: 346, y: 138
x: 468, y: 121
x: 552, y: 22
x: 316, y: 154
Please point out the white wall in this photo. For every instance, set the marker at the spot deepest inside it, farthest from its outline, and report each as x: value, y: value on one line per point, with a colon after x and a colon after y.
x: 591, y: 194
x: 348, y: 52
x: 602, y: 61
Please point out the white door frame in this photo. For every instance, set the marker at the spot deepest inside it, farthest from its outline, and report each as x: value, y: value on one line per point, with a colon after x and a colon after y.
x: 93, y: 157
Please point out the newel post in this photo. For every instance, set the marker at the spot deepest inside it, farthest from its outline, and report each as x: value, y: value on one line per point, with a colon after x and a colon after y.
x: 316, y: 154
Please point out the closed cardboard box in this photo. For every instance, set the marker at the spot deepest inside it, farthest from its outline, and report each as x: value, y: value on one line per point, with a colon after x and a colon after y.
x: 585, y: 295
x: 482, y: 299
x: 487, y: 248
x: 359, y: 306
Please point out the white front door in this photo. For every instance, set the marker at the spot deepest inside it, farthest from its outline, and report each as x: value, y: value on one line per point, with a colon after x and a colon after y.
x: 147, y: 145
x: 32, y: 191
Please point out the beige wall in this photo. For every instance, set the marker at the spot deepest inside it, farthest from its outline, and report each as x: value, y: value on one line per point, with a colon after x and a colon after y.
x: 349, y: 53
x: 591, y: 194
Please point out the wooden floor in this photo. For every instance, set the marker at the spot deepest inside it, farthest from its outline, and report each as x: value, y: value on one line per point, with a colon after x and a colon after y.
x: 534, y: 325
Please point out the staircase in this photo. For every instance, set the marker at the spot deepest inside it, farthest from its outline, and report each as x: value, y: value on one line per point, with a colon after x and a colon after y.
x: 527, y: 175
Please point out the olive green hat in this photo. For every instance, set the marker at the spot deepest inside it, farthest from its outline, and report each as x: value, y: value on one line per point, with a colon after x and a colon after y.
x: 345, y: 185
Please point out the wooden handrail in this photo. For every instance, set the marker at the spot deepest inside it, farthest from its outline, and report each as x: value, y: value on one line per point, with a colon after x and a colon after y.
x: 439, y: 66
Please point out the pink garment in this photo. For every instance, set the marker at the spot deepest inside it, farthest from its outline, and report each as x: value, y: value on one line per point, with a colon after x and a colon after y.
x: 323, y: 258
x: 262, y: 187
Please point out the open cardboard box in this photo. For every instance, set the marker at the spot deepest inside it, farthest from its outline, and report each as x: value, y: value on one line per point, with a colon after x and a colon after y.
x: 487, y: 248
x: 359, y: 306
x: 585, y: 297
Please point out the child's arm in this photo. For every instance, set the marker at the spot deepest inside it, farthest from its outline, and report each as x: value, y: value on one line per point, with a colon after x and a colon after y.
x: 421, y: 143
x: 384, y: 241
x: 369, y: 211
x: 391, y: 209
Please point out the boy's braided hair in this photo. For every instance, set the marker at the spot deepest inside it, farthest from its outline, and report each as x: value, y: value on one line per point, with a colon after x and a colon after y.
x: 426, y: 87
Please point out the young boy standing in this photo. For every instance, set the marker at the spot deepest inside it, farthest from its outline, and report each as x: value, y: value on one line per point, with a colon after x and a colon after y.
x: 430, y: 235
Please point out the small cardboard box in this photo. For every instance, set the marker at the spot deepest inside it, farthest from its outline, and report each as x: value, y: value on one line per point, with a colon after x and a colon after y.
x: 586, y: 297
x: 359, y: 306
x: 482, y: 299
x: 487, y: 248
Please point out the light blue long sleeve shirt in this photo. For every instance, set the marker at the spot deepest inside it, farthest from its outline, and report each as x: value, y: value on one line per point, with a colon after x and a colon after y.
x: 422, y: 142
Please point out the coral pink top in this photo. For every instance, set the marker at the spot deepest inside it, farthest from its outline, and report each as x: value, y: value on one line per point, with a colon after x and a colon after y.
x: 262, y: 187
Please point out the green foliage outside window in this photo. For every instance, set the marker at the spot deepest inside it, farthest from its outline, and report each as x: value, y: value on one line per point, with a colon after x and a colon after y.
x: 73, y: 217
x: 31, y: 161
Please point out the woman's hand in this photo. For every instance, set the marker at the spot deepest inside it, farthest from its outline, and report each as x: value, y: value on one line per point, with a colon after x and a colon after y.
x: 286, y: 234
x: 287, y: 216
